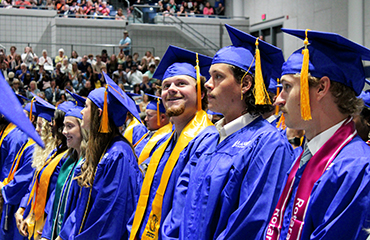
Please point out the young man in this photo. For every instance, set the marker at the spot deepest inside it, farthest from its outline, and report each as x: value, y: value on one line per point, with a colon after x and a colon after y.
x: 236, y: 180
x: 326, y: 195
x: 185, y: 102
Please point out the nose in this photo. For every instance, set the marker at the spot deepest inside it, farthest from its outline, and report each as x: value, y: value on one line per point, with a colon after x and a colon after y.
x: 64, y: 131
x: 172, y: 89
x: 279, y: 101
x: 209, y: 84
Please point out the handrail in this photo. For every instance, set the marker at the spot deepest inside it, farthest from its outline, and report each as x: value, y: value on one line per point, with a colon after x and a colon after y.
x: 195, y: 34
x: 139, y: 11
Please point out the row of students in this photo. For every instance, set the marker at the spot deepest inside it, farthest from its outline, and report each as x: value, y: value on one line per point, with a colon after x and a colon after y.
x: 237, y: 179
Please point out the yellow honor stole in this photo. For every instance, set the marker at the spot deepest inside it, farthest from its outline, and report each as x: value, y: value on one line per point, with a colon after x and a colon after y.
x: 16, y: 161
x: 35, y: 219
x: 158, y: 135
x: 130, y: 129
x: 6, y: 131
x: 192, y: 129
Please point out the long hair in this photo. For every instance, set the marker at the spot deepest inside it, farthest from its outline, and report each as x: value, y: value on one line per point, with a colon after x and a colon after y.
x: 97, y: 144
x: 84, y: 138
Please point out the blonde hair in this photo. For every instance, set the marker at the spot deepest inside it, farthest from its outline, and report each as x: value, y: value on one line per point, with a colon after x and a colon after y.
x: 71, y: 152
x: 40, y: 154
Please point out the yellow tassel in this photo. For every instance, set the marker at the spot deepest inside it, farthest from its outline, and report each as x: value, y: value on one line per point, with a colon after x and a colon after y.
x: 305, y: 98
x: 281, y: 122
x: 104, y: 124
x: 260, y: 93
x: 158, y: 113
x: 277, y: 94
x: 30, y: 114
x: 199, y: 90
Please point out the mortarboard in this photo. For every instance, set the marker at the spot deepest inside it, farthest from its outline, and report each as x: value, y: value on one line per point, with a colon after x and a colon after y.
x: 156, y: 105
x: 177, y: 61
x: 365, y: 96
x: 75, y: 112
x: 13, y: 111
x: 65, y: 106
x: 114, y: 102
x: 80, y: 101
x: 22, y: 99
x: 213, y: 113
x: 326, y: 54
x: 43, y: 108
x: 28, y: 108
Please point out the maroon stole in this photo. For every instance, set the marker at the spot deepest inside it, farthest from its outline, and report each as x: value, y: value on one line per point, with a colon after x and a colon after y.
x: 316, y: 166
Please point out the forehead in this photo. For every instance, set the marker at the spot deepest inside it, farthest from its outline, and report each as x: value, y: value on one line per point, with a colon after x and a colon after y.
x: 150, y: 111
x: 179, y: 78
x: 291, y: 78
x: 220, y: 67
x: 70, y: 119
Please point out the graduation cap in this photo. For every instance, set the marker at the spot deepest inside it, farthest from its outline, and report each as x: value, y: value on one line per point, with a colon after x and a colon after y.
x: 114, y: 102
x: 365, y: 96
x: 13, y: 111
x: 177, y: 61
x: 213, y: 113
x: 156, y: 105
x: 80, y: 101
x: 29, y: 109
x: 65, y: 106
x: 326, y: 54
x: 22, y: 99
x: 43, y: 108
x: 75, y: 112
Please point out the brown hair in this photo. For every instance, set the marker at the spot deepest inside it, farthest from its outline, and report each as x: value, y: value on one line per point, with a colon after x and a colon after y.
x: 248, y: 97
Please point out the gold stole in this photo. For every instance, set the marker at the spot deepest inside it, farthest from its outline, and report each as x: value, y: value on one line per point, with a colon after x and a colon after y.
x: 130, y: 129
x: 6, y: 131
x: 158, y: 135
x: 35, y: 219
x: 16, y: 161
x: 192, y: 129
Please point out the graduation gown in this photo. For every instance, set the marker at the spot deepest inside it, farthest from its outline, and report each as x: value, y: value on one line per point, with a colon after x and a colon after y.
x: 14, y: 191
x: 339, y: 202
x: 199, y: 143
x: 113, y: 196
x: 233, y: 186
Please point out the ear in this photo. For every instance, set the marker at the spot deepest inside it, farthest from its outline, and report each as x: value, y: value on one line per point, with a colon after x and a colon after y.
x: 100, y: 112
x: 323, y: 88
x: 246, y: 83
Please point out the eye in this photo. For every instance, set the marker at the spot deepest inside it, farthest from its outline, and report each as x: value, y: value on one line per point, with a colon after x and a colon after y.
x: 286, y: 86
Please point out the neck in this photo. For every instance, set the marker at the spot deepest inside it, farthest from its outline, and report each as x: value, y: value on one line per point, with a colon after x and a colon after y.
x: 180, y: 122
x: 78, y: 150
x: 322, y: 124
x: 234, y: 114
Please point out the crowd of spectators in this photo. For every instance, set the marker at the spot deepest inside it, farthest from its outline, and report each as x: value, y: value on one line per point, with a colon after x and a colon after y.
x: 49, y: 77
x: 188, y: 8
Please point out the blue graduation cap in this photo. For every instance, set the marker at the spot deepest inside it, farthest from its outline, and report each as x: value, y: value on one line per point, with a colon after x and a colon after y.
x: 79, y: 100
x: 114, y: 102
x: 157, y: 106
x: 213, y: 113
x: 65, y: 106
x: 22, y: 99
x: 28, y: 108
x: 179, y: 61
x: 365, y: 96
x: 326, y: 54
x: 75, y: 112
x: 43, y: 108
x: 13, y: 111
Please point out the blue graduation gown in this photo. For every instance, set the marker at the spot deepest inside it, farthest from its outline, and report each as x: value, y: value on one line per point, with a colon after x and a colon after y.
x: 233, y: 187
x: 199, y: 143
x: 9, y: 149
x: 14, y: 191
x: 117, y: 182
x: 339, y: 205
x: 138, y: 132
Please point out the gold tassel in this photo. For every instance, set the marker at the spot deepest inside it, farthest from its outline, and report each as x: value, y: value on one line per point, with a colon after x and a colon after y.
x: 158, y: 113
x: 277, y: 94
x: 305, y: 98
x: 30, y: 114
x: 199, y: 90
x: 260, y: 92
x: 104, y: 124
x: 281, y: 122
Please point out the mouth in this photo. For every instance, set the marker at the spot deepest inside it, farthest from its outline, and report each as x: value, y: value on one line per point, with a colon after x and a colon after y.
x: 172, y: 99
x: 210, y: 96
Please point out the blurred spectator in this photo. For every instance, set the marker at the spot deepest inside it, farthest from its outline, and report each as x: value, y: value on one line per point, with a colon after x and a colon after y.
x: 112, y: 64
x: 98, y: 65
x: 80, y: 84
x: 32, y: 88
x: 186, y: 6
x: 148, y: 57
x: 3, y: 58
x: 4, y: 71
x: 121, y: 58
x: 7, y: 3
x: 66, y: 66
x: 122, y: 75
x: 66, y: 12
x: 84, y: 92
x: 62, y: 99
x: 144, y: 103
x: 104, y: 56
x: 16, y: 64
x: 220, y: 10
x: 27, y: 79
x: 46, y: 61
x: 89, y: 73
x: 144, y: 86
x: 34, y: 67
x: 75, y: 57
x: 11, y: 55
x: 21, y: 73
x: 135, y: 58
x: 23, y: 4
x: 73, y: 8
x: 52, y: 93
x: 182, y: 12
x: 50, y: 4
x: 42, y: 78
x: 74, y: 74
x: 156, y: 61
x: 137, y: 90
x: 59, y: 76
x: 11, y: 76
x: 80, y: 12
x: 195, y: 8
x: 208, y: 9
x: 60, y: 7
x: 89, y: 9
x: 125, y: 43
x: 82, y: 66
x: 104, y: 10
x: 150, y: 71
x: 119, y: 15
x: 27, y: 56
x: 128, y: 63
x: 172, y: 5
x: 18, y: 88
x: 91, y: 59
x: 61, y: 56
x: 134, y: 76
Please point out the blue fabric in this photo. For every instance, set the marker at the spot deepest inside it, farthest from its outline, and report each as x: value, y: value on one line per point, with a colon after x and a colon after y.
x: 13, y: 193
x: 230, y: 191
x: 198, y: 144
x: 339, y: 205
x: 365, y: 96
x: 138, y: 132
x: 113, y: 198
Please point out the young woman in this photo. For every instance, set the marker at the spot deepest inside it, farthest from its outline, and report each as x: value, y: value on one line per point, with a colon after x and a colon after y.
x: 76, y: 142
x: 110, y: 177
